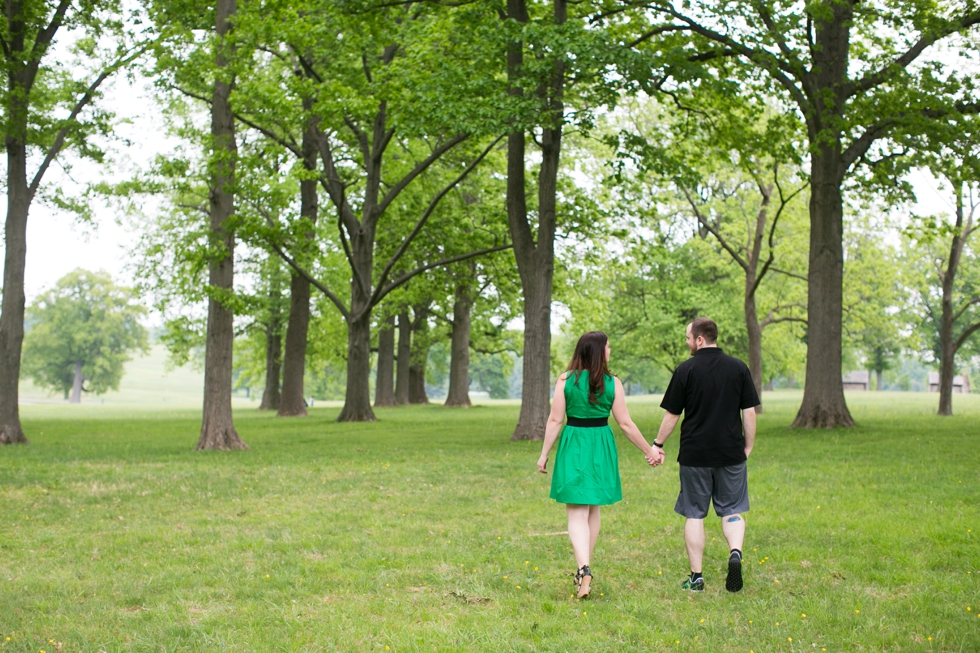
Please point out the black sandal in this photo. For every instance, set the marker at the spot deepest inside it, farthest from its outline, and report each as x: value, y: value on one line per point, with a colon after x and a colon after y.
x: 583, y: 581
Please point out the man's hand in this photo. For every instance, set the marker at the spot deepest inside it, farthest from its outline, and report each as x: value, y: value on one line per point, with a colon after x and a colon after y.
x: 748, y: 450
x: 655, y: 457
x: 543, y: 464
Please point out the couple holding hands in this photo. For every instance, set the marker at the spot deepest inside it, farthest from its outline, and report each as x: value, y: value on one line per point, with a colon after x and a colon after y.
x: 715, y: 393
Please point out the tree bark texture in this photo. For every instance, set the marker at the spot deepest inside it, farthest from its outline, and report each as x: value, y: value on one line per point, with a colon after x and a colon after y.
x: 19, y: 83
x: 420, y: 355
x: 384, y: 386
x: 878, y: 384
x: 947, y: 346
x: 218, y: 428
x: 15, y: 258
x: 535, y: 258
x: 273, y: 343
x: 823, y: 396
x: 459, y: 354
x: 357, y: 400
x: 292, y: 403
x: 76, y: 384
x: 404, y: 358
x: 273, y: 367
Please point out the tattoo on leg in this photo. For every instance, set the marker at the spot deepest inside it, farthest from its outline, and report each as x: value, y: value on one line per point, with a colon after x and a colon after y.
x: 734, y: 519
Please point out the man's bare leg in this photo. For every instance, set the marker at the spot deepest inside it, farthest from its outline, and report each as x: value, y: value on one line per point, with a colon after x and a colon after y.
x: 694, y: 540
x: 733, y: 527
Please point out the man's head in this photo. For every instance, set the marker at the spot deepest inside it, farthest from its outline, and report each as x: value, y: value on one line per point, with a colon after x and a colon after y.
x: 702, y: 332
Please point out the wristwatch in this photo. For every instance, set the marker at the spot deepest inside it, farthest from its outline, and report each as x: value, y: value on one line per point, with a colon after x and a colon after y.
x: 658, y: 445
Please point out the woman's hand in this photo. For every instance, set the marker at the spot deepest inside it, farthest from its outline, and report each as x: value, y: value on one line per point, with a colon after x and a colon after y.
x: 542, y: 464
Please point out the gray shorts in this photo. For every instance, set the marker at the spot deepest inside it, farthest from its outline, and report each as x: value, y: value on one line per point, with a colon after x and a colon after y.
x: 726, y: 487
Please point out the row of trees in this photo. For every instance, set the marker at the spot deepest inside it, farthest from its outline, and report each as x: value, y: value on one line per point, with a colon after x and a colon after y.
x: 368, y: 144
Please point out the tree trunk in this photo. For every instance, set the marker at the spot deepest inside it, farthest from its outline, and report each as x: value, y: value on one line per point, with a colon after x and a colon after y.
x: 12, y: 313
x: 273, y: 340
x: 384, y: 387
x: 535, y: 259
x: 76, y: 385
x: 459, y: 355
x: 416, y: 383
x: 218, y: 428
x: 823, y: 396
x: 273, y: 354
x: 19, y: 85
x: 878, y: 385
x: 420, y: 355
x: 292, y: 403
x: 754, y: 332
x: 947, y: 347
x: 404, y: 358
x: 357, y: 401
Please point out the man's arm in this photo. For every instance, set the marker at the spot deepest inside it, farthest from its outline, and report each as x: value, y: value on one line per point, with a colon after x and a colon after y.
x: 748, y: 427
x: 666, y: 428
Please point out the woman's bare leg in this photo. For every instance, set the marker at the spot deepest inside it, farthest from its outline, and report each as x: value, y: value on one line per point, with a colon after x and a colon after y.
x: 594, y: 524
x: 579, y: 533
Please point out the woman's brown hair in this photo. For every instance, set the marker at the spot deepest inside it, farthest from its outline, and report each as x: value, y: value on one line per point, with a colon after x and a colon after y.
x: 590, y: 355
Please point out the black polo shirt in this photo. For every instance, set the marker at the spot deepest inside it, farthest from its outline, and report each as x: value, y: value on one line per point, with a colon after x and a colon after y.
x: 711, y: 389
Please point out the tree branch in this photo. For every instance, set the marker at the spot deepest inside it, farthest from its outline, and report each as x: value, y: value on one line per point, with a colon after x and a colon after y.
x: 967, y: 305
x: 394, y: 283
x: 419, y: 169
x: 789, y: 274
x: 333, y: 184
x: 714, y: 232
x: 59, y: 139
x: 293, y: 264
x: 780, y: 70
x: 44, y: 38
x: 425, y: 216
x: 873, y: 79
x: 963, y: 336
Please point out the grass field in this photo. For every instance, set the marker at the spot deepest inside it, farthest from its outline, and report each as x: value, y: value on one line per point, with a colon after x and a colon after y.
x: 429, y: 531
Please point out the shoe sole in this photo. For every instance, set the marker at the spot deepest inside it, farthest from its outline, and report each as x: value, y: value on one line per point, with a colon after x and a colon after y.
x: 585, y: 588
x: 693, y: 587
x: 733, y: 583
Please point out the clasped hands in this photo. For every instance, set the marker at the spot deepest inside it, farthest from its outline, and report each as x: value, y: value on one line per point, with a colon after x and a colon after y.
x: 655, y: 457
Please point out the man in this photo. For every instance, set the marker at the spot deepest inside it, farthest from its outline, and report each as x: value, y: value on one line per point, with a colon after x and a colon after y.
x: 710, y: 388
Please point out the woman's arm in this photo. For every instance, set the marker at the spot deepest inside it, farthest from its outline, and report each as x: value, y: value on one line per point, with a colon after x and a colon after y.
x: 622, y: 415
x: 555, y: 421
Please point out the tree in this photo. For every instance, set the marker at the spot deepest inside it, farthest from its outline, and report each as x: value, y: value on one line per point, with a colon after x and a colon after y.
x: 735, y: 165
x: 83, y: 331
x: 44, y: 114
x: 949, y: 303
x: 389, y: 66
x: 855, y: 73
x: 217, y: 427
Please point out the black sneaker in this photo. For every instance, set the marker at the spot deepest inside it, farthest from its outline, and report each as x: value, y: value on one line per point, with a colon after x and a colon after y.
x: 696, y: 585
x: 733, y: 583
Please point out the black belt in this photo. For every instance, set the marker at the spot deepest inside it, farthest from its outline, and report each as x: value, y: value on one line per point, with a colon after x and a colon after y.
x: 591, y: 422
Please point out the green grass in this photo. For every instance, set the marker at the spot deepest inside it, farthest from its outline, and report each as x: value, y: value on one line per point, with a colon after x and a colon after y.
x: 429, y: 531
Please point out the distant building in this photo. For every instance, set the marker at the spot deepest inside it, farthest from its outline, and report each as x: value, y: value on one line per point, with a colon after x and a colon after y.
x: 857, y: 380
x: 961, y: 383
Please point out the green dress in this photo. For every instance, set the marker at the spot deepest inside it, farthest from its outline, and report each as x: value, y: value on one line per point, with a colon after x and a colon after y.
x: 586, y: 466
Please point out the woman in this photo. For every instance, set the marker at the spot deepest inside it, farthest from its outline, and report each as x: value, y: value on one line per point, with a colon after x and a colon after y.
x: 586, y: 473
